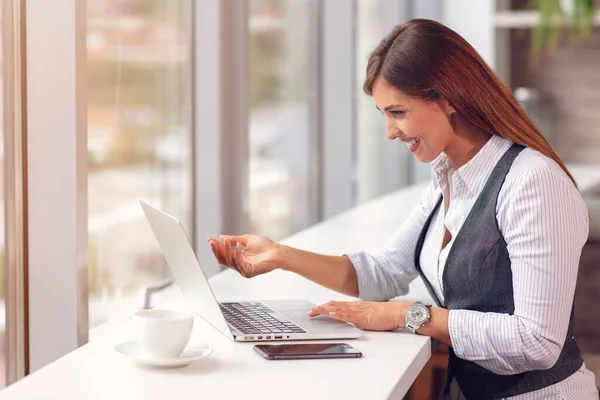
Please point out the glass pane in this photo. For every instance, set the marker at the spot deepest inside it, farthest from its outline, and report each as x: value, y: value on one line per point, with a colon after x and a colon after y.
x: 280, y: 135
x: 371, y: 139
x: 139, y: 143
x: 2, y: 272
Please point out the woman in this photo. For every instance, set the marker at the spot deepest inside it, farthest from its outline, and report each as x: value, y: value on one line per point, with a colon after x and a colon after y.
x: 496, y: 237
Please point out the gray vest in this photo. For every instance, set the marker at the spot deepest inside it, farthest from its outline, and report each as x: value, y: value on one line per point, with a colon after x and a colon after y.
x: 478, y: 276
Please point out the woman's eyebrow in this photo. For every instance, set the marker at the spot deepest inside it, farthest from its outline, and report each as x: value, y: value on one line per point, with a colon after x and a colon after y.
x: 389, y: 107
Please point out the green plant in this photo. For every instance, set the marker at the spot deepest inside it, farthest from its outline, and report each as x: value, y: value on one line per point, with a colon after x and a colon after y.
x: 554, y: 16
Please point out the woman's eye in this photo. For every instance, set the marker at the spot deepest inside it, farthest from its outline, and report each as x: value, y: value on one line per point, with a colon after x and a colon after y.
x: 394, y: 113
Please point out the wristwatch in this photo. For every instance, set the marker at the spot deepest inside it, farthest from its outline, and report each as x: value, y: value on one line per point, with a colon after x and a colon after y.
x: 417, y: 315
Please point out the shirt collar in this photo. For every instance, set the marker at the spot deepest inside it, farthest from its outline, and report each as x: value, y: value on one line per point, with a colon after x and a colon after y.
x: 476, y: 171
x: 439, y: 170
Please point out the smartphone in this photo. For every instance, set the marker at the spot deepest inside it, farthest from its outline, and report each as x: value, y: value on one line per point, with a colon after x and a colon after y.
x: 298, y: 351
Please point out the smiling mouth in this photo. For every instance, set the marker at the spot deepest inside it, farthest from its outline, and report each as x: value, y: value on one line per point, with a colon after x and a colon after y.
x: 412, y: 142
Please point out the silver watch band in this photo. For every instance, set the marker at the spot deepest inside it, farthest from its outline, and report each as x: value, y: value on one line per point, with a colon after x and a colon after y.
x: 412, y: 328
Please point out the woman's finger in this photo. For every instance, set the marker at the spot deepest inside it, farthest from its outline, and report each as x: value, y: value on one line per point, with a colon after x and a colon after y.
x: 243, y: 239
x: 223, y: 261
x: 347, y: 317
x: 240, y: 263
x: 326, y: 308
x: 229, y: 255
x: 217, y: 250
x: 226, y: 251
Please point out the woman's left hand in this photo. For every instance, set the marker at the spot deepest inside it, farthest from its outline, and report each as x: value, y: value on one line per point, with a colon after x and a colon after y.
x: 370, y: 315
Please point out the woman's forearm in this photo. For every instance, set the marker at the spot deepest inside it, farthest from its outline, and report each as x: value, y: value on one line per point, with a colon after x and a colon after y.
x: 437, y: 327
x: 334, y: 272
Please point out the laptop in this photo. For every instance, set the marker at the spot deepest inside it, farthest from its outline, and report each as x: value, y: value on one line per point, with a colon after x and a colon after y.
x: 240, y: 321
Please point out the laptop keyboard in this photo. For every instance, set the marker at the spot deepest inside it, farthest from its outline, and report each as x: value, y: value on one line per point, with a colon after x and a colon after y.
x: 256, y: 318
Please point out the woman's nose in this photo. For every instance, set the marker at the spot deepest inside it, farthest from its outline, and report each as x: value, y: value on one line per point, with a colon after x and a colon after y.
x: 392, y: 132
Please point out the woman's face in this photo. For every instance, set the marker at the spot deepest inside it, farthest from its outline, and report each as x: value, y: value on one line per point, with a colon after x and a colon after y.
x: 423, y: 126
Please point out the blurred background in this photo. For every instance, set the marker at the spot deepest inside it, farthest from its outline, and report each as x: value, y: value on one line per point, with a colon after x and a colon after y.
x: 141, y: 132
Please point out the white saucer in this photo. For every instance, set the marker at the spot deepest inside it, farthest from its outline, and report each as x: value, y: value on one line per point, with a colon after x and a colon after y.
x: 192, y: 352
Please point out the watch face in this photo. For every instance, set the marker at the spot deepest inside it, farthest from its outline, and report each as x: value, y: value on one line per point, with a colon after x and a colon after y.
x: 418, y: 313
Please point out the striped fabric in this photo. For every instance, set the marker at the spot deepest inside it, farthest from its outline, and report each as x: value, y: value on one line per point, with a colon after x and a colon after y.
x: 544, y: 221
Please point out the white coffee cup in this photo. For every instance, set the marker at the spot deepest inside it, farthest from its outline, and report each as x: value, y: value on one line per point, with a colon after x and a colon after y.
x: 163, y: 334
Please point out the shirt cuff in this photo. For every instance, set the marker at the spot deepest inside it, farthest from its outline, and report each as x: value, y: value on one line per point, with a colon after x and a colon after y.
x: 456, y: 324
x: 362, y: 274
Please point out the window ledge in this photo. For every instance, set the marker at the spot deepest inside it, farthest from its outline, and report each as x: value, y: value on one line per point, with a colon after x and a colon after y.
x: 527, y: 19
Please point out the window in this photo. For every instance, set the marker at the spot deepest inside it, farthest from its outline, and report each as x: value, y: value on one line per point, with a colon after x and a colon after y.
x: 281, y: 127
x: 139, y: 143
x: 371, y: 153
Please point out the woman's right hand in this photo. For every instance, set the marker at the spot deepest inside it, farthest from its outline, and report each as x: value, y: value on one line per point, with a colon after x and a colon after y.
x: 250, y: 255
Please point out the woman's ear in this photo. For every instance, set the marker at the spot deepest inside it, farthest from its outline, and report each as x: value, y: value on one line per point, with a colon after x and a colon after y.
x: 446, y: 107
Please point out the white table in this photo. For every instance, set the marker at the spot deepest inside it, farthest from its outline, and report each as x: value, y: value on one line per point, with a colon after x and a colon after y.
x: 391, y: 361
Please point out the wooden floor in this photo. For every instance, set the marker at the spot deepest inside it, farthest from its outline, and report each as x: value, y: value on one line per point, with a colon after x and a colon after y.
x: 430, y: 382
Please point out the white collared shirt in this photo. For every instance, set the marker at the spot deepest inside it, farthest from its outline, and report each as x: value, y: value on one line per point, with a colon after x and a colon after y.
x: 544, y: 222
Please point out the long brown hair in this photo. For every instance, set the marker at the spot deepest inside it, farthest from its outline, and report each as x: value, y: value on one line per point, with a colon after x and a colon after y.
x: 425, y: 59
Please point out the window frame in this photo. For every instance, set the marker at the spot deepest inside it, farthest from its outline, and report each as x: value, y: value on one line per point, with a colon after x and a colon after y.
x: 56, y: 178
x: 15, y: 193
